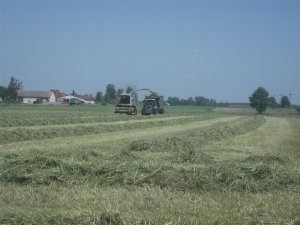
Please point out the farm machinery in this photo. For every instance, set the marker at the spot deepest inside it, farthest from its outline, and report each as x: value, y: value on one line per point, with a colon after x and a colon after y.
x: 152, y: 103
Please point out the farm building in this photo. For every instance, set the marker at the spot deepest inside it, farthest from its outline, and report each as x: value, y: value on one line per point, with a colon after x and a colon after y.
x: 36, y: 96
x: 81, y: 100
x: 59, y: 96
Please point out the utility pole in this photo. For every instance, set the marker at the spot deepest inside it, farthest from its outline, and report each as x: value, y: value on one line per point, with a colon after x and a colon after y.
x: 290, y: 94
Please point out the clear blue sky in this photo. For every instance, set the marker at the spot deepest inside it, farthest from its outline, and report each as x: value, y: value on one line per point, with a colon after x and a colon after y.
x: 221, y: 49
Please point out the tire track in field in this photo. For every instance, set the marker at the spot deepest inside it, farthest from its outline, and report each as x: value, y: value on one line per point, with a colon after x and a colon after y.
x: 81, y: 142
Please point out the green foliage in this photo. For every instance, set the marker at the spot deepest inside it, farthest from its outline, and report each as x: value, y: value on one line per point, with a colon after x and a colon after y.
x: 111, y: 94
x: 129, y: 89
x: 98, y: 97
x: 272, y: 103
x: 259, y: 100
x: 10, y: 94
x: 173, y: 100
x: 198, y: 101
x: 3, y: 93
x: 202, y: 101
x: 285, y: 102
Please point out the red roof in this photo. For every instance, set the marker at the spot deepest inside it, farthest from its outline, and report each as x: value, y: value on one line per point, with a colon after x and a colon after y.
x: 58, y: 94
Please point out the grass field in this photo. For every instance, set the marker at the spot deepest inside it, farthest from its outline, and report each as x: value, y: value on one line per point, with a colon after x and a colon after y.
x: 192, y: 165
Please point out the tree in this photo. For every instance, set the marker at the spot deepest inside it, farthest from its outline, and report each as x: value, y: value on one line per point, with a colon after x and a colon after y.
x: 190, y: 101
x: 272, y: 103
x: 98, y: 97
x: 259, y: 99
x: 10, y: 94
x: 173, y: 100
x: 3, y: 93
x: 129, y: 89
x: 212, y: 102
x: 111, y: 94
x: 202, y: 101
x: 285, y: 102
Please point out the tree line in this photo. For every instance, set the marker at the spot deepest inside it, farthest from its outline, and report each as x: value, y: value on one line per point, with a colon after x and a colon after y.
x: 260, y: 100
x: 111, y: 95
x: 198, y: 101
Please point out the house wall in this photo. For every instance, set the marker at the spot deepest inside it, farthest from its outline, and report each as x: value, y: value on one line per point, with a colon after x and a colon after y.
x: 52, y: 98
x: 29, y: 100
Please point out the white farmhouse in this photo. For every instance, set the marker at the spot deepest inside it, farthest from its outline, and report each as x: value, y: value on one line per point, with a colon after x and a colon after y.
x: 36, y: 96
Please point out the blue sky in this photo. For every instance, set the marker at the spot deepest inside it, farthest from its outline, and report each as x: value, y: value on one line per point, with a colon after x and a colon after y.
x: 221, y: 49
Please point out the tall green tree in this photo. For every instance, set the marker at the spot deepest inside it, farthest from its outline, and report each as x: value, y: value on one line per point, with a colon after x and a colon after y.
x: 111, y: 94
x: 129, y: 89
x: 3, y: 93
x: 98, y: 98
x: 173, y: 100
x: 285, y: 102
x: 259, y: 99
x: 272, y: 102
x: 202, y: 101
x: 11, y: 93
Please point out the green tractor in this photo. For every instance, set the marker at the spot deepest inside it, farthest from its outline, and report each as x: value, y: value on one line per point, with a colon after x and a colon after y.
x: 74, y: 101
x: 151, y: 104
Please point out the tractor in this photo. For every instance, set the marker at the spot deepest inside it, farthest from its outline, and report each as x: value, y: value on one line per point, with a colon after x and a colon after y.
x: 151, y: 104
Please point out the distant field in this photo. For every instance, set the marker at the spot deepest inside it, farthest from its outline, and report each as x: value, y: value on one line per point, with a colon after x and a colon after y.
x: 191, y: 165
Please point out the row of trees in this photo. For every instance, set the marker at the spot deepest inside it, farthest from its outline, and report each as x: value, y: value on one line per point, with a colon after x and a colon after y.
x: 260, y: 100
x: 10, y: 93
x: 198, y: 101
x: 111, y: 94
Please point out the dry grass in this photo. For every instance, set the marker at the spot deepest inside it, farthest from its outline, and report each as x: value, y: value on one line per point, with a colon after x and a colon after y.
x: 206, y: 168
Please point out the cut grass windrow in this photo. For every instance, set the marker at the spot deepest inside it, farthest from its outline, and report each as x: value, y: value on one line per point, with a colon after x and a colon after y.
x: 8, y: 135
x: 128, y: 168
x: 189, y: 166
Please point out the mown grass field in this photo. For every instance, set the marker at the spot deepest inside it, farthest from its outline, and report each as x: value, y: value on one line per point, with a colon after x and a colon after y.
x: 192, y: 165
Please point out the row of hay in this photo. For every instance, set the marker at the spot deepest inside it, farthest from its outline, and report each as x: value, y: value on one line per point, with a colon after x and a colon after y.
x: 39, y: 133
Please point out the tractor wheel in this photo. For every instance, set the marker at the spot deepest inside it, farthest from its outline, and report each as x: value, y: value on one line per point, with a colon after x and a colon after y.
x: 161, y: 111
x: 134, y: 112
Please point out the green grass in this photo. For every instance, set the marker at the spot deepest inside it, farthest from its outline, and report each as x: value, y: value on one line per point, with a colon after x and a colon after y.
x: 191, y: 165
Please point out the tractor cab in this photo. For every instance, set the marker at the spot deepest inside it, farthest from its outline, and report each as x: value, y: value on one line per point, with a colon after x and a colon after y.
x: 126, y: 104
